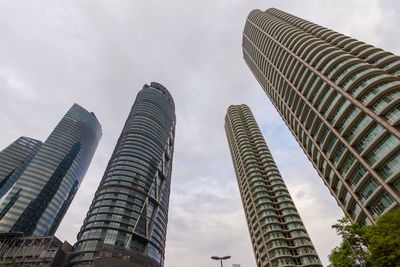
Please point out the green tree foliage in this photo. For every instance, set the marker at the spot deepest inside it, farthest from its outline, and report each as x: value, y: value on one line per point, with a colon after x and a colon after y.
x: 384, y: 240
x: 342, y: 256
x: 353, y: 249
x: 375, y: 245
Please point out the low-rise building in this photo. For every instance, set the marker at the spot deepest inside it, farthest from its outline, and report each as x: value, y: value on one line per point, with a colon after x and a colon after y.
x: 17, y: 250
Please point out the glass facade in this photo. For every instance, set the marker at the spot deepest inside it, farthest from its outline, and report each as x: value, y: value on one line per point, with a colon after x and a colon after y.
x: 340, y: 99
x: 40, y: 197
x: 278, y: 235
x: 13, y: 161
x: 127, y: 219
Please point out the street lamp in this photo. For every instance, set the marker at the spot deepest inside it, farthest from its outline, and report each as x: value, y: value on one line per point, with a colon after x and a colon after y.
x: 220, y: 258
x: 348, y: 243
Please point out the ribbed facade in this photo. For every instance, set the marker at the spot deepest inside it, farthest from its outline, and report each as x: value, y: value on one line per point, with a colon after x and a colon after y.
x: 341, y: 100
x: 277, y: 232
x: 127, y: 220
x: 14, y: 159
x: 43, y: 192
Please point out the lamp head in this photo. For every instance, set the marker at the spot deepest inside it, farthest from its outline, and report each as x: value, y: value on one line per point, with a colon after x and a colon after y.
x: 220, y: 258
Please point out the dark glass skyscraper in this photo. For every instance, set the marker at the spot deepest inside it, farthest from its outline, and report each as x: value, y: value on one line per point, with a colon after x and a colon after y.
x: 341, y: 100
x: 43, y: 192
x: 14, y: 159
x: 127, y: 221
x: 277, y: 232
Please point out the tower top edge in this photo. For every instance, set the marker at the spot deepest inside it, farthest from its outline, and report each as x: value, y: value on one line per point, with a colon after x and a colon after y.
x: 238, y: 106
x: 163, y: 90
x: 89, y: 114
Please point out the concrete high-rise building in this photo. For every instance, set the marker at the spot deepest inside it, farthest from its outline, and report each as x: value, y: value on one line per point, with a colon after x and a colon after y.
x: 14, y: 159
x: 277, y: 232
x: 127, y: 221
x: 340, y: 99
x: 43, y: 192
x: 44, y: 251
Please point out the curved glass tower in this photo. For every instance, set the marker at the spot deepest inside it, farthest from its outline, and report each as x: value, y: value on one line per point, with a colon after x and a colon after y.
x: 42, y: 194
x: 277, y: 232
x: 14, y: 159
x: 340, y: 99
x: 127, y: 221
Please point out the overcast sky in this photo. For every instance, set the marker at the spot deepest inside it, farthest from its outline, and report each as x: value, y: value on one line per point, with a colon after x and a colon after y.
x: 100, y: 53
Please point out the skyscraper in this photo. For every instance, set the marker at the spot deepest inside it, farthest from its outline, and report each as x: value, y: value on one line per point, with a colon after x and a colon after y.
x: 127, y: 221
x: 43, y: 192
x: 14, y: 159
x: 277, y: 233
x: 340, y: 99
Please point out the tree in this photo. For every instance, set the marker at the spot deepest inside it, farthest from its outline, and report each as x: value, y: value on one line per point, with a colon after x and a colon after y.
x: 353, y: 249
x: 384, y: 240
x: 342, y: 256
x: 375, y: 245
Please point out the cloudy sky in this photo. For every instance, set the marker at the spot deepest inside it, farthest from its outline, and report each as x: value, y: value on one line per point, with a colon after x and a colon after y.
x: 100, y: 53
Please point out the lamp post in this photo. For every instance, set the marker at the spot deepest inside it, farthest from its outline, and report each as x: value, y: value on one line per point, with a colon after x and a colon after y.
x: 348, y: 243
x: 220, y: 258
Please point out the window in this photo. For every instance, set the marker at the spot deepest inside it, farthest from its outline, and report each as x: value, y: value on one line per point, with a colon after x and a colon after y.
x: 368, y: 189
x: 326, y: 95
x: 339, y: 153
x: 394, y: 114
x: 358, y: 174
x: 347, y: 164
x: 305, y: 250
x: 371, y: 135
x: 301, y: 241
x: 356, y: 211
x: 339, y: 110
x: 397, y: 186
x: 331, y: 104
x: 348, y: 119
x: 111, y: 236
x: 317, y: 126
x: 358, y: 127
x: 375, y: 90
x: 332, y: 141
x: 381, y: 204
x: 346, y: 198
x: 383, y: 148
x: 382, y: 103
x: 308, y: 260
x: 324, y: 134
x: 336, y: 188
